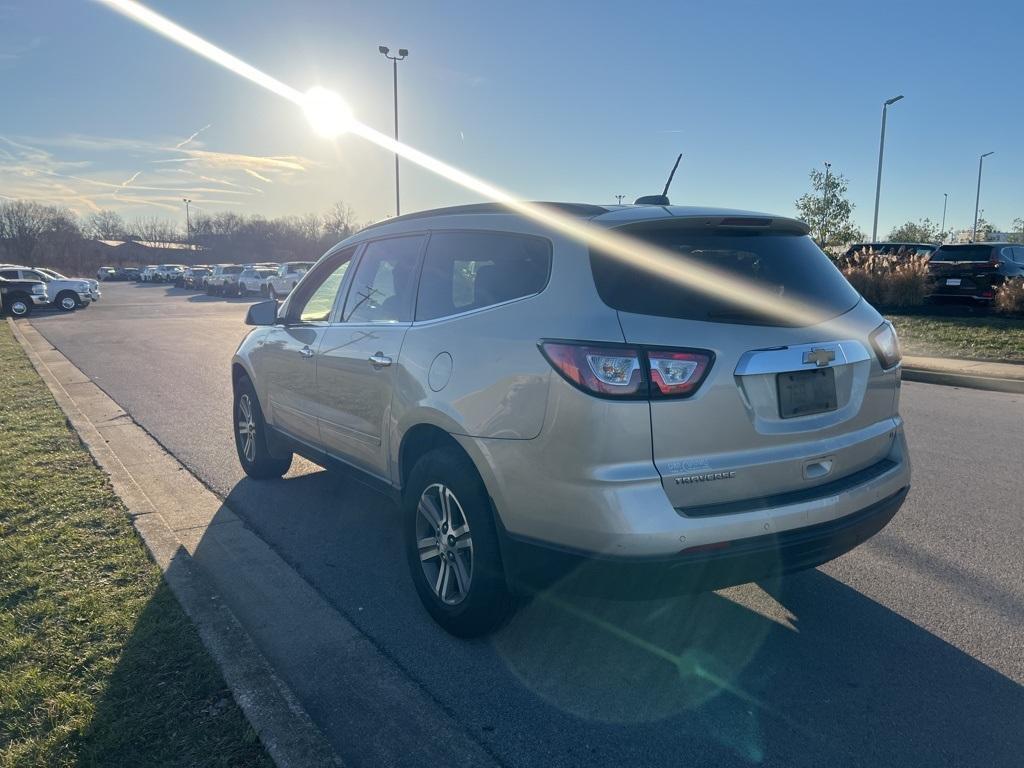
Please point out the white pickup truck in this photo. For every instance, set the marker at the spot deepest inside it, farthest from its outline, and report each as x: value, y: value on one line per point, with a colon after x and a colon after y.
x: 288, y: 274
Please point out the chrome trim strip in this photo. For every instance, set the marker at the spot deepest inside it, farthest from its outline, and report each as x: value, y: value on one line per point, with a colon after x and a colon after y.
x: 782, y: 359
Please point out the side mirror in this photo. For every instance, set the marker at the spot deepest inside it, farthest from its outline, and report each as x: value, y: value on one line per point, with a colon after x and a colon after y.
x: 263, y: 313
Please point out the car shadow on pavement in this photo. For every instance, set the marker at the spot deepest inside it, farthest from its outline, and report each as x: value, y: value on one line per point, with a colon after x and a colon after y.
x: 796, y: 671
x: 203, y: 297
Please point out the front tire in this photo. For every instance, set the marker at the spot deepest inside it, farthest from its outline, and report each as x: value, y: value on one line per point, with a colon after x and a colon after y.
x: 66, y: 301
x: 251, y: 436
x: 452, y: 546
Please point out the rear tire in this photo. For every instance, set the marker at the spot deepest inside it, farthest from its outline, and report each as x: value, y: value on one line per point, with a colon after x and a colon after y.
x: 251, y: 436
x: 452, y: 545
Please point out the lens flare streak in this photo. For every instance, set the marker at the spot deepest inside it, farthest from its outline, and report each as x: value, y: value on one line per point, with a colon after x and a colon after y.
x: 331, y: 118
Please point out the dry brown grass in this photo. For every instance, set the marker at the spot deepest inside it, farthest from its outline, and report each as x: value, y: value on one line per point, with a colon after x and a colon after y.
x: 888, y: 281
x: 1010, y: 297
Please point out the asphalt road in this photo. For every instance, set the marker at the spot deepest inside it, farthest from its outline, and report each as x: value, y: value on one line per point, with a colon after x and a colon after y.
x: 908, y: 651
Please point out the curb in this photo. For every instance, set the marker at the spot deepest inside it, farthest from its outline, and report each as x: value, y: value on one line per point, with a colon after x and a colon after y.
x: 285, y: 729
x: 965, y: 380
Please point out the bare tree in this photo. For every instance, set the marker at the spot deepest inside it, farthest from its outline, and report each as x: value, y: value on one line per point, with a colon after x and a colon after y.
x: 339, y: 222
x: 105, y: 225
x: 27, y: 226
x: 154, y: 230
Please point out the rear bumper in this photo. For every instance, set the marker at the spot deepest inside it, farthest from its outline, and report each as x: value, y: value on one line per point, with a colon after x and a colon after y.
x: 732, y: 562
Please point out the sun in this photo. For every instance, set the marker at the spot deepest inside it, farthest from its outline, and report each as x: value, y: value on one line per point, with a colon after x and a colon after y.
x: 327, y: 112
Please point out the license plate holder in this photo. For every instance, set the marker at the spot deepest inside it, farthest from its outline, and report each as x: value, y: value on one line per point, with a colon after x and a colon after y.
x: 803, y: 393
x: 953, y: 281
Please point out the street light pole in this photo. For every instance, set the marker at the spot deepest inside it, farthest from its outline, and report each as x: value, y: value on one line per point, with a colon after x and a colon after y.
x: 824, y: 208
x: 977, y: 195
x: 619, y: 198
x: 188, y: 224
x: 945, y: 200
x: 881, y: 150
x: 402, y: 53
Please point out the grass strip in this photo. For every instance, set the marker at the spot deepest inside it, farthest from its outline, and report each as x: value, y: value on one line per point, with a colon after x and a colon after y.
x: 99, y: 665
x: 971, y: 338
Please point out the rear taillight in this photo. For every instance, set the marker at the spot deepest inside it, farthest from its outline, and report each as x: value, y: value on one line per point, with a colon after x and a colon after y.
x: 628, y: 372
x: 676, y: 374
x: 886, y: 344
x: 612, y: 371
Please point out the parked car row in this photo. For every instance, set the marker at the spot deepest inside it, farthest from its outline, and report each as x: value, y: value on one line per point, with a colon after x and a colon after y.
x: 61, y: 292
x: 110, y: 274
x: 263, y: 279
x: 965, y: 271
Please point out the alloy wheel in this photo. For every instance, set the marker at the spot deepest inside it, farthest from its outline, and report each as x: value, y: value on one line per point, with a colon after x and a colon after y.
x: 444, y: 543
x: 68, y: 303
x: 247, y: 427
x: 19, y: 308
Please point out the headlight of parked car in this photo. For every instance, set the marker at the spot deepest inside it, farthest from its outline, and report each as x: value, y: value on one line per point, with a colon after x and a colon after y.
x: 39, y: 289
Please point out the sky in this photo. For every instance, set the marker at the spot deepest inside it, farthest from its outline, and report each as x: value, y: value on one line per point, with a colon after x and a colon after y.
x: 561, y: 100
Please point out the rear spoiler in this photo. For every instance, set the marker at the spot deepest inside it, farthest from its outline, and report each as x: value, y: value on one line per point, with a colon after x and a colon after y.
x: 739, y: 222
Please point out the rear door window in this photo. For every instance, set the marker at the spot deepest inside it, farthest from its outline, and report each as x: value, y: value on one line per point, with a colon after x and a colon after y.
x: 384, y: 285
x: 463, y: 271
x: 784, y: 264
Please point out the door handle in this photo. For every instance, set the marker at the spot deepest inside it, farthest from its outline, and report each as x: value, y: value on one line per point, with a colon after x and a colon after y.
x: 306, y: 351
x: 380, y: 360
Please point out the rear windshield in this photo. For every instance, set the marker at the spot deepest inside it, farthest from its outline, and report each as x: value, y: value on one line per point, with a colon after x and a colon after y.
x: 789, y: 266
x: 231, y: 270
x: 963, y: 253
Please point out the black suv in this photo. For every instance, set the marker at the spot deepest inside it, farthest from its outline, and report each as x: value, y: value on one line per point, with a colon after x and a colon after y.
x: 974, y: 270
x: 18, y: 297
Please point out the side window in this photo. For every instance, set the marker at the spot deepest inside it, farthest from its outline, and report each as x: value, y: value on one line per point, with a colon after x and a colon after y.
x: 10, y: 274
x: 471, y: 270
x: 384, y: 286
x: 315, y: 303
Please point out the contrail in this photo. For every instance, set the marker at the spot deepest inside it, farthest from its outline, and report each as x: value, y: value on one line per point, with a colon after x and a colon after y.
x: 191, y: 138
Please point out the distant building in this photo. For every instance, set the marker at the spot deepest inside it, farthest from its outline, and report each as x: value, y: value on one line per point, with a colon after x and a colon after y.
x: 148, y: 252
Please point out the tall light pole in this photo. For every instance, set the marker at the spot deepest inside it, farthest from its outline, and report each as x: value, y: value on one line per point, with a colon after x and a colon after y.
x: 977, y: 195
x: 881, y: 150
x: 402, y: 53
x: 619, y: 198
x: 188, y: 224
x: 824, y: 208
x: 945, y: 201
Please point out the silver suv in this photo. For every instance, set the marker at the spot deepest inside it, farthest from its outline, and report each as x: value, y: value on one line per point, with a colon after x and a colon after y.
x: 542, y: 408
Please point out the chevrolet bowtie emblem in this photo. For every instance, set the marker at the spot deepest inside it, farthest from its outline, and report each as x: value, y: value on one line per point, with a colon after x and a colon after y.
x: 820, y: 357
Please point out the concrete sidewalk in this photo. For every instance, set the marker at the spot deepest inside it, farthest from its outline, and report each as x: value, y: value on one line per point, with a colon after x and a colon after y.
x: 973, y: 374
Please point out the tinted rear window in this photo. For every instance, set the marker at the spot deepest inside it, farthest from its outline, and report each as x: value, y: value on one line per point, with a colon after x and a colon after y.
x: 464, y: 271
x: 963, y: 253
x: 789, y: 266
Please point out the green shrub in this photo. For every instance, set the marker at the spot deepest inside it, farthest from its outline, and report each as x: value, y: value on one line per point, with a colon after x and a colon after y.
x: 888, y: 280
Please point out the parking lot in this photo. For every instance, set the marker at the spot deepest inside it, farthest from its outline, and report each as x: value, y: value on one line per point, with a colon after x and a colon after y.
x: 907, y: 651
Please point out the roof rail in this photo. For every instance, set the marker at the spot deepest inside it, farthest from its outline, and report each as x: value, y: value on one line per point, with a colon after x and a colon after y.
x: 570, y: 209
